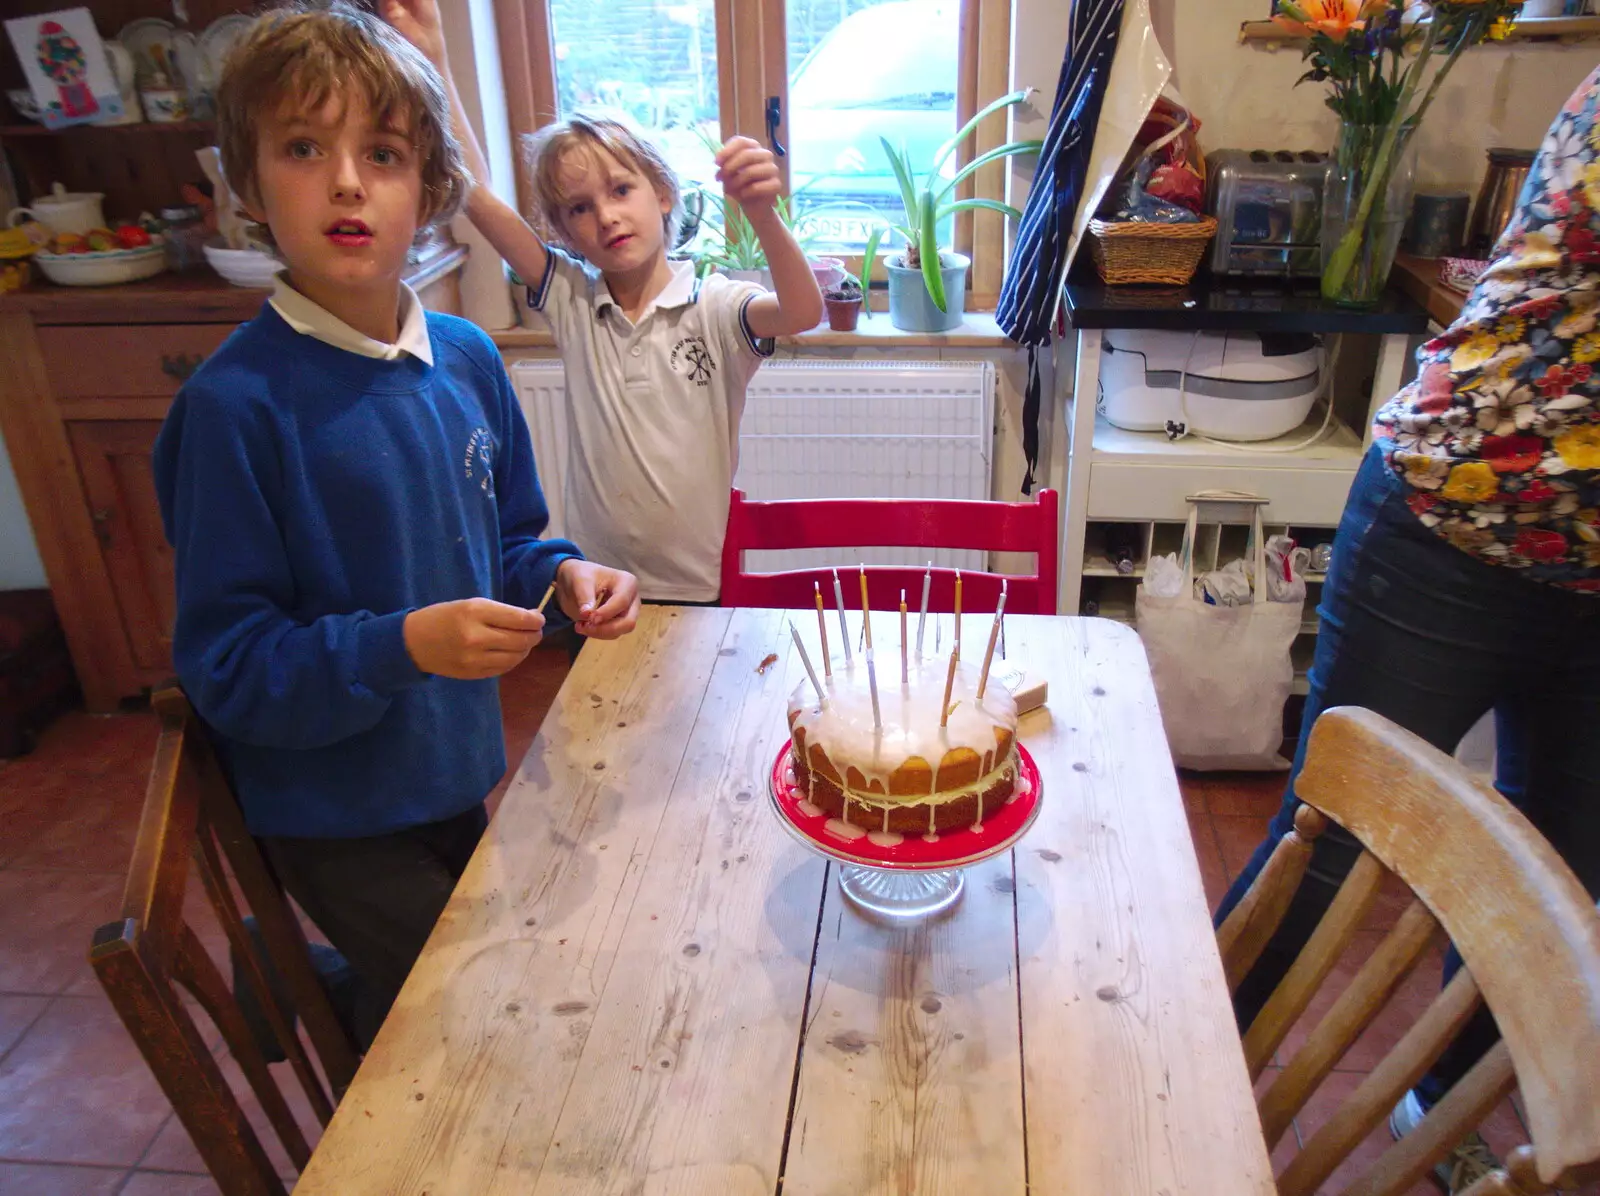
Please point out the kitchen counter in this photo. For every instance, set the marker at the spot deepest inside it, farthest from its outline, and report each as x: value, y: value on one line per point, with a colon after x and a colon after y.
x: 1211, y: 304
x: 201, y: 296
x: 1418, y: 277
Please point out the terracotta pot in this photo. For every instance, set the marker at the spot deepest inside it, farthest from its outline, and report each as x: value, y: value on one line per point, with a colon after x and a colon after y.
x: 843, y: 313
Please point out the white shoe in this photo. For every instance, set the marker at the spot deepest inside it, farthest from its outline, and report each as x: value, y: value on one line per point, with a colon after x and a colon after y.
x: 1469, y: 1162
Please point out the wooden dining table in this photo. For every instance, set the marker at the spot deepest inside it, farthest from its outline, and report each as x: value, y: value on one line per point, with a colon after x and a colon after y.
x: 643, y: 984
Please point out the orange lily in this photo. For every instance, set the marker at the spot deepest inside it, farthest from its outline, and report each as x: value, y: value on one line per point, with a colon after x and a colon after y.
x: 1335, y: 19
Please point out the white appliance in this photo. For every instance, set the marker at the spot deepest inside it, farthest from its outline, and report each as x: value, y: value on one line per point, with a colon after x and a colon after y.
x: 825, y: 429
x: 1226, y: 385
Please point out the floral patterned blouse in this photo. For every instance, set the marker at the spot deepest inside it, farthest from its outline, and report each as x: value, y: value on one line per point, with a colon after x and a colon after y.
x: 1499, y: 437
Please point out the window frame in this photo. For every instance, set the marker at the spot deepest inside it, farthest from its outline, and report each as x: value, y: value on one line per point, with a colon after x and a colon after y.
x: 752, y: 64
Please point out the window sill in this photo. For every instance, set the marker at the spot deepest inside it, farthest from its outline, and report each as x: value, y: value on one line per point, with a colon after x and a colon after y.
x: 978, y: 330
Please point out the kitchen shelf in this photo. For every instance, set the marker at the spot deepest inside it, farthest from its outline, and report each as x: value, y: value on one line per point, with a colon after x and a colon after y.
x: 33, y: 129
x: 1532, y: 29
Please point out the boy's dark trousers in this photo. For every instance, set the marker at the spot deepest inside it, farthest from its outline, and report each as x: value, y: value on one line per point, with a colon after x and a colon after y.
x: 377, y: 900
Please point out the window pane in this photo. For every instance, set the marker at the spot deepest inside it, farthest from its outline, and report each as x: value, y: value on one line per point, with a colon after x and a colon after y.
x: 860, y: 70
x: 652, y: 60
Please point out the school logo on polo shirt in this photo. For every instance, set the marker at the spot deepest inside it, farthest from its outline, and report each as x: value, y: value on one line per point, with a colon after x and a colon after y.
x: 692, y: 356
x: 479, y: 459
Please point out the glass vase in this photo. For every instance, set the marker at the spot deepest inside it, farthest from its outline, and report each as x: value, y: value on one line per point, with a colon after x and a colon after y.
x: 1364, y: 208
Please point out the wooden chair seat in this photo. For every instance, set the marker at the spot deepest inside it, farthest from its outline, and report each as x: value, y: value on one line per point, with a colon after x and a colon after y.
x: 143, y: 958
x: 1482, y: 876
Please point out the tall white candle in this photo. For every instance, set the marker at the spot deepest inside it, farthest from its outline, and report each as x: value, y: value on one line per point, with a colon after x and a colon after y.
x: 922, y: 615
x: 844, y: 630
x: 872, y: 684
x: 805, y: 659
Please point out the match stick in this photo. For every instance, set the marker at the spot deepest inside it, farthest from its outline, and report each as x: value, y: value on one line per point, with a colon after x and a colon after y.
x: 822, y: 630
x: 805, y: 659
x: 866, y: 610
x: 922, y: 615
x: 957, y: 641
x: 949, y: 684
x: 545, y: 601
x: 994, y: 634
x: 872, y: 684
x: 905, y: 672
x: 844, y: 630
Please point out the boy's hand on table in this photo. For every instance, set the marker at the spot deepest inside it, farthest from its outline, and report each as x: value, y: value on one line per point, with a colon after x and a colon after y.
x: 418, y: 22
x: 603, y: 603
x: 471, y: 639
x: 749, y: 175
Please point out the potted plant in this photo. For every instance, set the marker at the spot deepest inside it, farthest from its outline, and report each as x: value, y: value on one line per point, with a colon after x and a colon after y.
x: 927, y: 285
x: 843, y: 302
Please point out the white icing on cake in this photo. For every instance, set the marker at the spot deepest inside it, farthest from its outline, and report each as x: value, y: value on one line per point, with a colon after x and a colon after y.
x: 842, y: 725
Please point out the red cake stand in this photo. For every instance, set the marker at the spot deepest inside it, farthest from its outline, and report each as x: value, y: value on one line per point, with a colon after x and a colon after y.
x: 900, y: 878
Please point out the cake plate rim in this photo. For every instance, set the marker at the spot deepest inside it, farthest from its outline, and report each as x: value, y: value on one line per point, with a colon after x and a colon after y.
x: 961, y: 857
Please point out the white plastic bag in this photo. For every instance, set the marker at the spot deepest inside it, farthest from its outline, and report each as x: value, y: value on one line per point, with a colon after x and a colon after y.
x: 1286, y: 569
x: 1222, y: 673
x: 1163, y: 576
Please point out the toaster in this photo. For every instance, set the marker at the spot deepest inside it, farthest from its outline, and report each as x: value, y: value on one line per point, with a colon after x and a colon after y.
x: 1268, y: 205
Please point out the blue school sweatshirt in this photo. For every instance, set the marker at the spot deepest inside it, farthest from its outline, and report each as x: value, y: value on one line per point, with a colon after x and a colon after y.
x: 313, y: 498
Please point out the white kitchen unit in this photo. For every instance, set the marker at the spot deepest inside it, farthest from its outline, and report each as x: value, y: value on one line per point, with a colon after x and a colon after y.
x: 1128, y: 490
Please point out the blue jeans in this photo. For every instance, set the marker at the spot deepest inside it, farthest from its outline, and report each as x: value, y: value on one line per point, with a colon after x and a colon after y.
x: 1419, y: 631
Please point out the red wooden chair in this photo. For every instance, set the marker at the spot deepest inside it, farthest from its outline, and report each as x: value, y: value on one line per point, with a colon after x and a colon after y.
x: 894, y: 523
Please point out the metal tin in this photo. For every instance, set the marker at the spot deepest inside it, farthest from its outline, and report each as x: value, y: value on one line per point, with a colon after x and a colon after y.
x: 1497, y: 198
x: 1438, y: 224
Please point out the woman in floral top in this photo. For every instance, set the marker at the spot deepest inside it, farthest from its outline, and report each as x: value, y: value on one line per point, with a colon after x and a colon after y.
x: 1466, y: 568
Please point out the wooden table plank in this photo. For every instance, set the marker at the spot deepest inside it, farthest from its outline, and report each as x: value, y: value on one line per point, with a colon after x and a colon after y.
x: 685, y: 1077
x: 912, y: 1057
x: 1134, y: 1073
x: 470, y: 1072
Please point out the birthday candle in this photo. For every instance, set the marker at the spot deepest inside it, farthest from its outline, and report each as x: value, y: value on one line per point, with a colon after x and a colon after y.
x: 994, y: 634
x: 957, y: 641
x: 922, y: 615
x: 905, y: 672
x: 1003, y: 584
x: 822, y: 631
x: 949, y: 684
x: 866, y: 610
x: 872, y: 685
x: 844, y: 631
x: 805, y: 659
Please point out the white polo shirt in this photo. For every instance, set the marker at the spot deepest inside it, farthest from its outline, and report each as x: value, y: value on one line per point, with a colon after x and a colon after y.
x: 653, y: 412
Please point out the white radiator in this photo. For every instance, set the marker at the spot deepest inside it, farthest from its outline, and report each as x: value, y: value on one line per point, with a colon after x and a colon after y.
x: 827, y: 429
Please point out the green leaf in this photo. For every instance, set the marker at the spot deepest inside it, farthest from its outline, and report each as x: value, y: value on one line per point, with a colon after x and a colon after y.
x: 967, y: 205
x: 1005, y: 151
x: 949, y: 147
x: 928, y: 247
x: 867, y: 259
x: 902, y: 173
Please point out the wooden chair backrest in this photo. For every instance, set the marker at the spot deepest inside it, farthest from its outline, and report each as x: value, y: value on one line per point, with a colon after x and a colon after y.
x: 1482, y: 876
x: 190, y: 813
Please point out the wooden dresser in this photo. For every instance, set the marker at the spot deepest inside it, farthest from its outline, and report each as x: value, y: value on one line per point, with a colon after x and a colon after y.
x: 86, y: 377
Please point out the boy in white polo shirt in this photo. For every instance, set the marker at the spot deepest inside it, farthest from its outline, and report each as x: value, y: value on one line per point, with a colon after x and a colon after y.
x: 657, y: 363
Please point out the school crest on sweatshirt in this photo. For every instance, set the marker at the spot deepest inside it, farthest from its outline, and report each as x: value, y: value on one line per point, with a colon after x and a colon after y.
x: 692, y: 356
x: 478, y: 460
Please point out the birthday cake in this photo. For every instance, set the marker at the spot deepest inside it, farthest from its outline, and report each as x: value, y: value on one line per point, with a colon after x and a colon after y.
x: 909, y: 775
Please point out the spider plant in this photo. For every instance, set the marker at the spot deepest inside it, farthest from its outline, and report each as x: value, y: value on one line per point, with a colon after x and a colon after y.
x: 928, y: 202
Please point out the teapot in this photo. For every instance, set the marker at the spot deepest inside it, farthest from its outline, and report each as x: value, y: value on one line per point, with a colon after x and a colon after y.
x: 64, y: 211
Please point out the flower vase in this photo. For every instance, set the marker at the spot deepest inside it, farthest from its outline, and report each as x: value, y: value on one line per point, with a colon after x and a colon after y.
x: 1364, y: 207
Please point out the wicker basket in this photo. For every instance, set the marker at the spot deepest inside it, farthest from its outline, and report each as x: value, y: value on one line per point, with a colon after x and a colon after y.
x: 1153, y: 254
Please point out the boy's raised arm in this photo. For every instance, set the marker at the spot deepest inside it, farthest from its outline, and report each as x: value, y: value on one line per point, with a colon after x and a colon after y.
x: 512, y: 237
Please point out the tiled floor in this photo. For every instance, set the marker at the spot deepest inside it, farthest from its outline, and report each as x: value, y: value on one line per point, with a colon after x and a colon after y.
x: 80, y: 1114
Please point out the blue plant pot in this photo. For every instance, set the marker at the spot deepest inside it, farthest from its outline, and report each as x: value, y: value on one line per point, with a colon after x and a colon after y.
x: 911, y: 308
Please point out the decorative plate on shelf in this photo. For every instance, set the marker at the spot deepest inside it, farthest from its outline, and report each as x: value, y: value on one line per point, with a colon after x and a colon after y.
x: 150, y: 41
x: 215, y: 41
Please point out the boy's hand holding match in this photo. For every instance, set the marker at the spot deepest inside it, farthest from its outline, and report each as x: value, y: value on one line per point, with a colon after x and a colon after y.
x: 603, y: 603
x: 472, y: 638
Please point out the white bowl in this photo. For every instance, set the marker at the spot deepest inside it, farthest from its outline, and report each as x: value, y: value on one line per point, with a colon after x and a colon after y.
x: 22, y: 100
x: 244, y: 267
x: 106, y: 268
